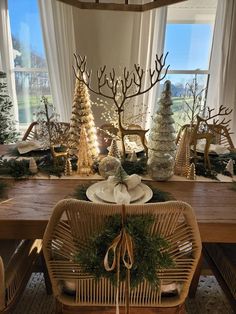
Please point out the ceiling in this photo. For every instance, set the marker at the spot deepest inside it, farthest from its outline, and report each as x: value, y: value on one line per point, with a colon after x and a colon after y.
x: 123, y: 5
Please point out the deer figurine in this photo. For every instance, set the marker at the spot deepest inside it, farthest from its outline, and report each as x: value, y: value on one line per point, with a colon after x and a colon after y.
x: 124, y: 131
x: 208, y: 131
x: 121, y: 89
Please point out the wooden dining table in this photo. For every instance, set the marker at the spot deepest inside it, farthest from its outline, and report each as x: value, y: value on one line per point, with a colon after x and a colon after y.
x: 30, y: 203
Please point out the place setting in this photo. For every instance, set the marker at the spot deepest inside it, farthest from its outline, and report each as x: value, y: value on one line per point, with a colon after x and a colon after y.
x: 120, y: 189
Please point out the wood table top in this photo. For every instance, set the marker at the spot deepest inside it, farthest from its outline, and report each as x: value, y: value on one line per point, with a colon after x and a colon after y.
x: 27, y: 214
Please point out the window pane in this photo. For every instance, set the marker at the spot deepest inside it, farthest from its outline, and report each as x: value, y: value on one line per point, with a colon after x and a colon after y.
x: 30, y: 86
x: 28, y: 50
x: 189, y: 46
x: 182, y: 97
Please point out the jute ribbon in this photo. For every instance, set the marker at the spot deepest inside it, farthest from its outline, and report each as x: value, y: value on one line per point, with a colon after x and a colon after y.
x: 122, y: 250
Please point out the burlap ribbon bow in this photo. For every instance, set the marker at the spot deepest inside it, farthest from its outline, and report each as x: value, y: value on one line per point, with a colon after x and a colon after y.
x: 122, y: 250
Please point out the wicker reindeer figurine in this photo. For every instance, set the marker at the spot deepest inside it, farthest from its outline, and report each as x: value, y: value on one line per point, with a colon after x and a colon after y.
x: 215, y: 132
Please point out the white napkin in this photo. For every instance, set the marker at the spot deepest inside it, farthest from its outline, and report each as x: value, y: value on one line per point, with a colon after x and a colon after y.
x: 121, y: 194
x: 27, y: 146
x: 131, y: 181
x: 121, y: 191
x: 214, y: 148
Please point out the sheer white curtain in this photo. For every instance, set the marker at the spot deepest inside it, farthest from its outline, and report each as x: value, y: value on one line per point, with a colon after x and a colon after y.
x: 6, y: 54
x: 151, y: 42
x: 59, y: 39
x: 222, y: 82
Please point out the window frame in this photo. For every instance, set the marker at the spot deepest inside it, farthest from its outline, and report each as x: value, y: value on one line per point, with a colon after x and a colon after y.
x: 31, y: 70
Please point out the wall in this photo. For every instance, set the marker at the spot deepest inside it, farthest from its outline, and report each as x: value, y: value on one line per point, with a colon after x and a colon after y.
x: 115, y: 39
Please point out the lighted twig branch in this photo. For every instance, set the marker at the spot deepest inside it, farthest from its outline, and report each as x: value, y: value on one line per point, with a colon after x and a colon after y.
x: 119, y: 89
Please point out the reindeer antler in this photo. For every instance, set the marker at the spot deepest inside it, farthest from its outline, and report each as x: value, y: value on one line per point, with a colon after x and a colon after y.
x: 223, y: 111
x: 130, y: 85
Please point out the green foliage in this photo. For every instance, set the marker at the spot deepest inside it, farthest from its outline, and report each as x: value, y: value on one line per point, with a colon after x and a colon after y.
x: 218, y: 164
x: 120, y: 175
x: 202, y: 171
x: 150, y: 251
x: 8, y: 133
x: 159, y: 195
x: 80, y: 192
x: 138, y: 167
x: 49, y: 167
x: 14, y: 168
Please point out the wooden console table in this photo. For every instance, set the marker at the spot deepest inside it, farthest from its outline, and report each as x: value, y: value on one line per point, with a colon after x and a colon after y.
x: 27, y: 214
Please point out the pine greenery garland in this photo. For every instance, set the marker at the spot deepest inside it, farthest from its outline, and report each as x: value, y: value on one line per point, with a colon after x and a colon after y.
x: 15, y: 168
x: 49, y: 167
x: 138, y: 167
x: 149, y: 250
x: 218, y: 165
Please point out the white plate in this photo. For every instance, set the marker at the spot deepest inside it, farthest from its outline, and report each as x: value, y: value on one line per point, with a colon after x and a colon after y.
x: 106, y: 193
x: 91, y: 193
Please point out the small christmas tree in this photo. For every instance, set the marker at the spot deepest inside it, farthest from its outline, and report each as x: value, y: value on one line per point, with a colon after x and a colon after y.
x: 162, y: 134
x: 68, y: 168
x: 114, y: 150
x: 182, y: 160
x: 230, y: 167
x: 33, y: 168
x: 82, y: 116
x: 8, y: 133
x: 85, y: 160
x: 191, y: 172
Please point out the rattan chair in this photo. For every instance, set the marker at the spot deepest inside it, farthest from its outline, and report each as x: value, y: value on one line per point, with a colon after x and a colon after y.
x: 59, y: 129
x: 16, y: 263
x: 69, y: 228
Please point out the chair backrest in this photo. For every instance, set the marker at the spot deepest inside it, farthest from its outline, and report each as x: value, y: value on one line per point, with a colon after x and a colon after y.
x: 15, y: 270
x: 73, y: 222
x: 59, y: 130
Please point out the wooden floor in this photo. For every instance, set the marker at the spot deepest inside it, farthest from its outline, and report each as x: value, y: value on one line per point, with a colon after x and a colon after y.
x: 134, y: 310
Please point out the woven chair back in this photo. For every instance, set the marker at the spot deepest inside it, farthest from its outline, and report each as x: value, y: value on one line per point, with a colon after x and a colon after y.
x: 73, y: 222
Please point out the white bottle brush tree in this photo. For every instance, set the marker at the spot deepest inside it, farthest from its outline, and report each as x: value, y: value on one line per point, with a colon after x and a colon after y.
x: 162, y: 134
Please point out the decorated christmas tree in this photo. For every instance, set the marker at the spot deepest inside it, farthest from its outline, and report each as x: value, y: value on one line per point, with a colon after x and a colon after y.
x: 8, y: 133
x: 162, y: 134
x: 82, y: 116
x: 85, y: 160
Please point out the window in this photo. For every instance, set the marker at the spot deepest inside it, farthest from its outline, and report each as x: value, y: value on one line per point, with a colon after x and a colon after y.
x: 188, y: 40
x: 30, y: 67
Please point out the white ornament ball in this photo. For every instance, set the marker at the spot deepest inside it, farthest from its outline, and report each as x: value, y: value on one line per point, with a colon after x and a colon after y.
x: 108, y: 166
